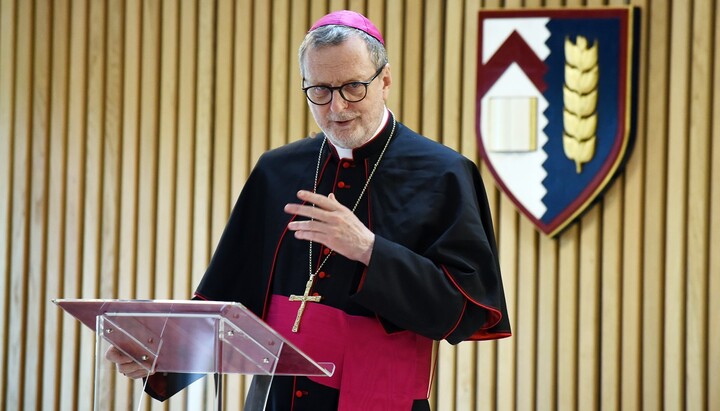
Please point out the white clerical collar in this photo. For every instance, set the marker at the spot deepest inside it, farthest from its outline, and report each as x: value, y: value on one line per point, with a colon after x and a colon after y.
x: 347, y: 153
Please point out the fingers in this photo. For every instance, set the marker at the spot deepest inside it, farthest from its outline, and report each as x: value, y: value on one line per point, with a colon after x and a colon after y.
x: 320, y: 201
x: 307, y: 211
x: 321, y: 207
x: 331, y: 224
x: 114, y: 355
x: 328, y: 203
x: 125, y: 364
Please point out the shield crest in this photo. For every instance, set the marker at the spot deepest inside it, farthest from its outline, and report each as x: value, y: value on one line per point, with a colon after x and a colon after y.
x: 555, y: 106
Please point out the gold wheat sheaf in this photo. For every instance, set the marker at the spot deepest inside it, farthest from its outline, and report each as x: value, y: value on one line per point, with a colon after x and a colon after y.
x: 580, y: 96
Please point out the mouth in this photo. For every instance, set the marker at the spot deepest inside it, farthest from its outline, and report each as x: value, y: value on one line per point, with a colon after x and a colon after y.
x: 343, y: 122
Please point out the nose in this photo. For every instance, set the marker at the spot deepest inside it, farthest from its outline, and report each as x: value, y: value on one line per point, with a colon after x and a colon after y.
x: 337, y: 103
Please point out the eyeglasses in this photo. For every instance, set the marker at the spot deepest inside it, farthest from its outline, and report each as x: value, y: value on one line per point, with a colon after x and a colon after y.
x: 351, y: 92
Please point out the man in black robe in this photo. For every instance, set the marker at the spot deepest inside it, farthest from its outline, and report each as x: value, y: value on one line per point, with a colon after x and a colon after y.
x: 382, y: 236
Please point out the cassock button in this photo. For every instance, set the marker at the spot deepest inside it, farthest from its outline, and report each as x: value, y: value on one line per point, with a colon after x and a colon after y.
x: 341, y: 184
x: 346, y: 164
x: 326, y: 251
x: 315, y: 294
x: 322, y: 274
x: 300, y: 394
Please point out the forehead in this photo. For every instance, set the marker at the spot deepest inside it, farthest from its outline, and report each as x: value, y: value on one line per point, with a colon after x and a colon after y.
x: 348, y: 61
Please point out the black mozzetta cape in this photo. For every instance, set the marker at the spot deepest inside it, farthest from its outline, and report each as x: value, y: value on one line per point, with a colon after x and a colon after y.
x: 434, y: 268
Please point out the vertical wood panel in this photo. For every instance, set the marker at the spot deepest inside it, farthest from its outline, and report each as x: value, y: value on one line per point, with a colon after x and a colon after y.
x: 451, y: 74
x: 242, y: 103
x: 631, y: 269
x: 198, y: 394
x: 694, y: 373
x: 393, y: 34
x: 547, y: 327
x: 53, y: 319
x: 432, y: 69
x: 93, y: 207
x: 147, y: 154
x: 7, y: 81
x: 183, y: 251
x: 526, y: 318
x: 655, y: 194
x: 526, y: 323
x: 21, y: 206
x: 588, y: 308
x: 297, y: 105
x: 507, y: 220
x: 222, y: 150
x: 112, y: 147
x: 126, y: 286
x: 610, y: 304
x: 568, y: 274
x: 37, y: 264
x: 412, y: 65
x: 376, y: 12
x: 203, y: 138
x: 280, y: 90
x: 75, y: 187
x: 610, y: 299
x: 167, y: 149
x: 185, y: 168
x: 260, y: 77
x: 112, y: 160
x: 713, y: 324
x: 677, y: 186
x: 127, y: 261
x: 317, y: 8
x: 222, y: 123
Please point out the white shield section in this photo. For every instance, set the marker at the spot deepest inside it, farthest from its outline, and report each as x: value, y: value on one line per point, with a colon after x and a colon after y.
x: 520, y: 165
x: 521, y: 172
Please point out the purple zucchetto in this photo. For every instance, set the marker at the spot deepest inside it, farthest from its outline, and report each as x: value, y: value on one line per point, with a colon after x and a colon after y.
x: 349, y: 19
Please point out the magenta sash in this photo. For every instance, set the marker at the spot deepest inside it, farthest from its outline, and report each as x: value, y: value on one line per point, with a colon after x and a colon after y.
x: 373, y: 370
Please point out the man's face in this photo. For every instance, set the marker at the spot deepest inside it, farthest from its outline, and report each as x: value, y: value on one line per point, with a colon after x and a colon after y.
x: 347, y: 125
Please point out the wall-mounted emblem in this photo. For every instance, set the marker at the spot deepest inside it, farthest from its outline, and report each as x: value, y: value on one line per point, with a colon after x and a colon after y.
x: 555, y: 106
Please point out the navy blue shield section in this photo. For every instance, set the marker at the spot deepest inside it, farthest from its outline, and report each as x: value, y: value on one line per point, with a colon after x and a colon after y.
x: 565, y: 186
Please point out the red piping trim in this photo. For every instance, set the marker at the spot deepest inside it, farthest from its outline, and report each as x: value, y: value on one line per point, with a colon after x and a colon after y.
x: 495, y: 314
x: 452, y: 330
x: 294, y: 389
x: 362, y: 279
x: 482, y: 336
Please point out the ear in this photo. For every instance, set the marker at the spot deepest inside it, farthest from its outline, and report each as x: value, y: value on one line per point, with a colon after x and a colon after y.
x: 386, y: 81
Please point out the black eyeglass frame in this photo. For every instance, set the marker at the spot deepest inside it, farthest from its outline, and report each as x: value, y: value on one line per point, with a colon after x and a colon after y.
x: 340, y: 89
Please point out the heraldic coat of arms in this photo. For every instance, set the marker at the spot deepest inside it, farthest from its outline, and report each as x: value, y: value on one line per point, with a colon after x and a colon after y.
x: 555, y: 106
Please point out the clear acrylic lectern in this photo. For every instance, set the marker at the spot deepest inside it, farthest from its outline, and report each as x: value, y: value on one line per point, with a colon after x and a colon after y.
x: 192, y: 337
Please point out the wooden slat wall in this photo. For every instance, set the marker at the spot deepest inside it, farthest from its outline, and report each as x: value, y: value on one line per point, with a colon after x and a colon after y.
x: 127, y: 129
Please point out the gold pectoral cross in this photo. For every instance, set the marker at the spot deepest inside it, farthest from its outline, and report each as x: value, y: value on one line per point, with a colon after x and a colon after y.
x: 304, y: 299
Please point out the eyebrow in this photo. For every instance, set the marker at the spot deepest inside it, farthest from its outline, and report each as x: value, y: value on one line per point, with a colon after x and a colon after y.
x: 330, y: 84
